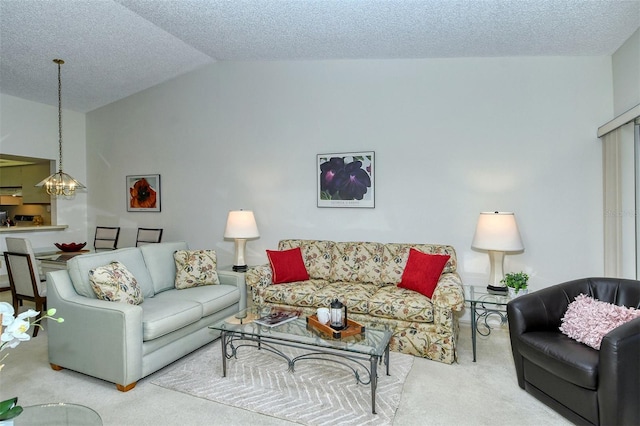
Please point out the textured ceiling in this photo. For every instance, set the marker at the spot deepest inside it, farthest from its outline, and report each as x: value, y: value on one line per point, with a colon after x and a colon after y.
x: 114, y: 48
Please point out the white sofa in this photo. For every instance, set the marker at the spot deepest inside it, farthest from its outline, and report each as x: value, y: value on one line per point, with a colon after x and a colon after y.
x: 122, y: 343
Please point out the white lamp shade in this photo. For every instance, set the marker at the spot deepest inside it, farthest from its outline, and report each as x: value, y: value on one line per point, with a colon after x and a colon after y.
x: 241, y: 224
x: 497, y: 231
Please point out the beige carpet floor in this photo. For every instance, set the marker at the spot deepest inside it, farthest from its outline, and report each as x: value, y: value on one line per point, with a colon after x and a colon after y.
x: 465, y: 393
x: 317, y: 392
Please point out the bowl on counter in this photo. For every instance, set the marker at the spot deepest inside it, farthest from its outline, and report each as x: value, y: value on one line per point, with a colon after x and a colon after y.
x: 70, y: 247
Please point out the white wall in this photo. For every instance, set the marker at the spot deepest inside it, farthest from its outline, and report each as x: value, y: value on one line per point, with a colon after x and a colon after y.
x: 452, y: 137
x: 626, y: 75
x: 31, y: 129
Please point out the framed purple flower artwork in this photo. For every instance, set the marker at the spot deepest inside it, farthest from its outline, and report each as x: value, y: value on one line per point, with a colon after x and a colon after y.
x: 346, y: 179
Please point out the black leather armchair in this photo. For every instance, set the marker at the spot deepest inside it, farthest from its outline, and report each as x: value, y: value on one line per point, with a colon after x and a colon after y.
x: 585, y: 385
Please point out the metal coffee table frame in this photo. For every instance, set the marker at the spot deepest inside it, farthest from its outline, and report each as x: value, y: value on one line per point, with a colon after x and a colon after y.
x: 361, y: 360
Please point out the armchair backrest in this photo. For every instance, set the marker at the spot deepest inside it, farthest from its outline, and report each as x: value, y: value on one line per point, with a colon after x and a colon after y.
x: 552, y: 302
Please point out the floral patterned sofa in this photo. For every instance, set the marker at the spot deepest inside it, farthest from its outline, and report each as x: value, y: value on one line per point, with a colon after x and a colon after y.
x: 365, y: 276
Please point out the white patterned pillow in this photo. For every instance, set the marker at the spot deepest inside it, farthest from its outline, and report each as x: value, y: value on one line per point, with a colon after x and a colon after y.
x: 114, y: 282
x: 195, y: 268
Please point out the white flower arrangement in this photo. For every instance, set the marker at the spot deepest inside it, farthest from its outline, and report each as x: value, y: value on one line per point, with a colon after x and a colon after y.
x: 15, y: 330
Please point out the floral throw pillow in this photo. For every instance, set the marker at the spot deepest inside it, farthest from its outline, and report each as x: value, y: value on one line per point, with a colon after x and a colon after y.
x: 588, y: 320
x: 195, y: 268
x: 114, y: 282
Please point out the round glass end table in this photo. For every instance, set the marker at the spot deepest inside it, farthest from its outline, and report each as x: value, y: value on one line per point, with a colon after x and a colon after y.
x: 58, y: 414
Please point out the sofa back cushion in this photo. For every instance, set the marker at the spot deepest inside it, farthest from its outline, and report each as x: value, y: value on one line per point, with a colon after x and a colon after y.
x: 130, y: 257
x: 357, y: 262
x: 160, y: 263
x: 395, y: 256
x: 316, y: 255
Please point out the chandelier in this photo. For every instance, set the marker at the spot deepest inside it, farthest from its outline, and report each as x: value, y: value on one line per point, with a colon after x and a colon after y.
x: 60, y: 183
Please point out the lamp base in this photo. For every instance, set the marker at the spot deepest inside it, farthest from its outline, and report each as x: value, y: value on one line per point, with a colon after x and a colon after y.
x: 240, y: 268
x: 502, y: 290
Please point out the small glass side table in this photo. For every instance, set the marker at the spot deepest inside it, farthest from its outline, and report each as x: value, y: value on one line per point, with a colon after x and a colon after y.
x: 58, y: 414
x: 484, y: 305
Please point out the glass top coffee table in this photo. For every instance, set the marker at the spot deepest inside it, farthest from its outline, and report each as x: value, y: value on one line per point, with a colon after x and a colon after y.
x: 355, y: 352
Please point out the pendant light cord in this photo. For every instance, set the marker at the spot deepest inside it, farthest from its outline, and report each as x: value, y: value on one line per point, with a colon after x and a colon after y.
x: 59, y: 62
x: 60, y: 183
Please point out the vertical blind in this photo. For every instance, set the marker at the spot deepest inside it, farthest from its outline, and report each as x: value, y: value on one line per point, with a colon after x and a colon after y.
x: 620, y: 174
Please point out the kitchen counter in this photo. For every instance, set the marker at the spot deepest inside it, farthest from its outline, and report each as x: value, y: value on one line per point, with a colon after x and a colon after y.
x: 32, y: 228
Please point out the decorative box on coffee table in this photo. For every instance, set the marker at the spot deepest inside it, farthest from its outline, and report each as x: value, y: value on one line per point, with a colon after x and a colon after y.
x: 353, y: 328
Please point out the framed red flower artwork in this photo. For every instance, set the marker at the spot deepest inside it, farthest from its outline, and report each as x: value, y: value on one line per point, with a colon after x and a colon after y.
x: 143, y: 193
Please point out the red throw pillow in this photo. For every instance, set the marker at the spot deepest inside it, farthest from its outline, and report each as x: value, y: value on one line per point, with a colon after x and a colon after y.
x: 287, y: 266
x: 423, y: 271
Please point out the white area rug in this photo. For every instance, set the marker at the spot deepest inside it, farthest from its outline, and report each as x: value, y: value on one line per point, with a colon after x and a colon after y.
x: 316, y: 393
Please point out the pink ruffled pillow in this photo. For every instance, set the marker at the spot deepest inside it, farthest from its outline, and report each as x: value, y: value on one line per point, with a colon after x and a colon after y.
x: 588, y: 320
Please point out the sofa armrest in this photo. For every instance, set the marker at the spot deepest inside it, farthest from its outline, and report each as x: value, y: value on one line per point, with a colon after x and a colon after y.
x: 99, y: 338
x: 449, y: 293
x: 259, y: 276
x: 236, y: 279
x: 619, y: 374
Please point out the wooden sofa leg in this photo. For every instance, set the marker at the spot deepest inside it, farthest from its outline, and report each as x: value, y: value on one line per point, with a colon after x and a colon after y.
x: 56, y: 367
x: 127, y: 388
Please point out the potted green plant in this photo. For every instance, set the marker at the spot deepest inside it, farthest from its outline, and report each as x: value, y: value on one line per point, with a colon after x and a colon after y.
x: 516, y: 282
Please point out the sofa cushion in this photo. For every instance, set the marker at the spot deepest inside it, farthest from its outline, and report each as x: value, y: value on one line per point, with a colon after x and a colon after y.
x: 114, y: 283
x: 316, y: 255
x: 395, y: 256
x: 195, y: 268
x: 130, y: 257
x: 162, y: 315
x: 423, y: 272
x: 357, y: 262
x: 301, y: 293
x: 588, y: 320
x: 287, y: 266
x: 162, y: 271
x: 399, y: 303
x: 355, y: 295
x: 213, y: 298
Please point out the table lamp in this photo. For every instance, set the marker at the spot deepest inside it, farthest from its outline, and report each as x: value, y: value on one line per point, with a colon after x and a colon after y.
x: 241, y: 225
x: 497, y: 232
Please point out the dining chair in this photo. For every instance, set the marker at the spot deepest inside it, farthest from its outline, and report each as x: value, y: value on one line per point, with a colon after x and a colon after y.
x: 25, y: 284
x: 106, y: 237
x: 148, y: 236
x: 23, y: 245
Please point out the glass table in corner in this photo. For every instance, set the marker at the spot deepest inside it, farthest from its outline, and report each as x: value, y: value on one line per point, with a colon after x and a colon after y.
x: 484, y: 306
